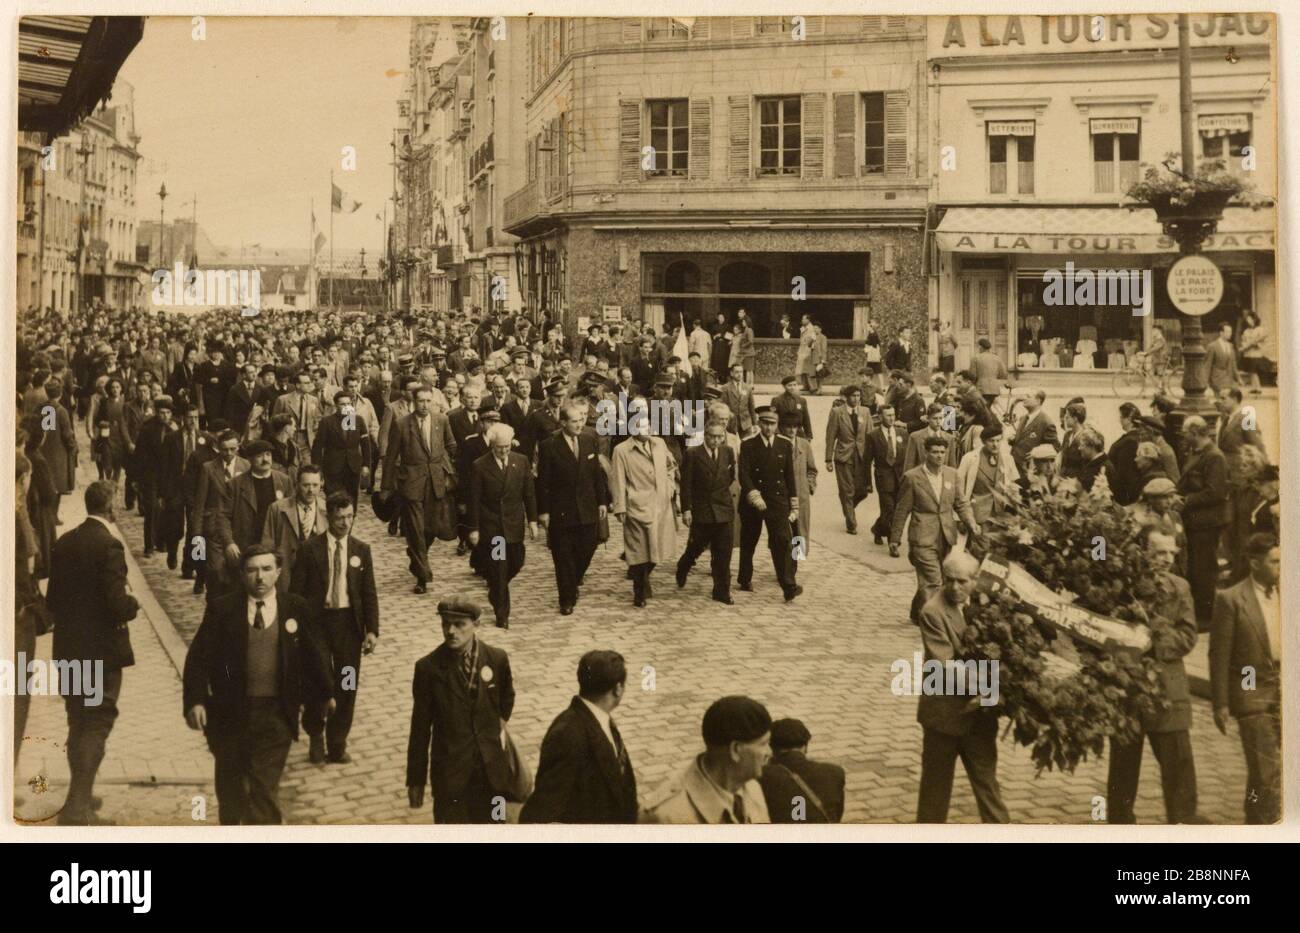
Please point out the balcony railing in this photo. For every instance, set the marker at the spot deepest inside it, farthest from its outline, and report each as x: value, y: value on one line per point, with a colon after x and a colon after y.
x: 535, y: 199
x: 449, y: 254
x: 26, y: 230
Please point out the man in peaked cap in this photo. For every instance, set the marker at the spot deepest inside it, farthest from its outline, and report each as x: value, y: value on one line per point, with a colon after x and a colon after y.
x: 463, y: 694
x: 721, y: 785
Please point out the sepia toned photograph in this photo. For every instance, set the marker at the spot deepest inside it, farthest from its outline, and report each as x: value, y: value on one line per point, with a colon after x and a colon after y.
x: 588, y: 419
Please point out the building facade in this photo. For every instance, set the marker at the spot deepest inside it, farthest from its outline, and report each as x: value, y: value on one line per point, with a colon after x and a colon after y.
x: 685, y: 168
x: 1042, y: 123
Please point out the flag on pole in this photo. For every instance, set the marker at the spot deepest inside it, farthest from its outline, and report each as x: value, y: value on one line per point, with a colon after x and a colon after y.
x: 682, y: 350
x: 320, y: 241
x: 342, y: 203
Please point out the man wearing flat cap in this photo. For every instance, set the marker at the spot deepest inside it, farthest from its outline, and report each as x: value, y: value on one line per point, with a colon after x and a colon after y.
x: 796, y: 788
x: 1156, y: 507
x: 721, y: 785
x: 463, y: 694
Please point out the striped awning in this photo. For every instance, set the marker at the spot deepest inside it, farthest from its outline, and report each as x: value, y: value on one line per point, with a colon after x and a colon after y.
x: 67, y: 65
x: 1090, y: 230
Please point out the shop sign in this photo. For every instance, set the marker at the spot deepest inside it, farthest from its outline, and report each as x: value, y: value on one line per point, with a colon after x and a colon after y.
x: 1011, y: 127
x: 1195, y: 285
x: 611, y: 313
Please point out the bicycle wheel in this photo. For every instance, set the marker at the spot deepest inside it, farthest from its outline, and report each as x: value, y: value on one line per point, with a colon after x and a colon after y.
x: 1128, y: 383
x: 1173, y: 383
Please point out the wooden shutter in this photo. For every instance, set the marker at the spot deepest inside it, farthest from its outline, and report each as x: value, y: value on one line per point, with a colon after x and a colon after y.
x: 813, y: 161
x: 742, y: 27
x: 701, y: 28
x: 814, y: 25
x: 872, y: 25
x: 845, y: 122
x: 738, y: 158
x: 701, y: 133
x: 631, y: 29
x: 896, y: 23
x: 629, y: 140
x: 896, y: 132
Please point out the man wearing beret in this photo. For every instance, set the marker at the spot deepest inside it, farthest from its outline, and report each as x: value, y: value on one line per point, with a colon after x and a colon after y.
x: 796, y: 788
x: 791, y: 402
x: 585, y: 774
x: 721, y: 785
x: 463, y: 694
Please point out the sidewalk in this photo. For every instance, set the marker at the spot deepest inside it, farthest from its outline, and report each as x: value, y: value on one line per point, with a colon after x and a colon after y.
x: 154, y: 764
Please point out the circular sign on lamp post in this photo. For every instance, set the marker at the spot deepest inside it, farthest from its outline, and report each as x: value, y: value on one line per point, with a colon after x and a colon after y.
x: 1195, y: 285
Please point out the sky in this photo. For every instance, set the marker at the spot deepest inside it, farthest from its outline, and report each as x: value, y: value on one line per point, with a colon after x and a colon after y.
x: 252, y: 119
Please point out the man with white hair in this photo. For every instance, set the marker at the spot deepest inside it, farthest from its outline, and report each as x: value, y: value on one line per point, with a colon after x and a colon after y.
x: 955, y: 725
x: 501, y: 498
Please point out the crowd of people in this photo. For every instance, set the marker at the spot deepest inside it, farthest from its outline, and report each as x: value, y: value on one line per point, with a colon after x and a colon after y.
x: 248, y: 445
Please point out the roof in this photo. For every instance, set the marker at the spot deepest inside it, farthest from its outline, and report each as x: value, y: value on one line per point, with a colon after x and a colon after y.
x: 67, y: 65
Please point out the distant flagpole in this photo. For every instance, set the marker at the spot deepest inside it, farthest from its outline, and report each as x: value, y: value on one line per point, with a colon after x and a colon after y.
x: 331, y: 239
x: 311, y: 256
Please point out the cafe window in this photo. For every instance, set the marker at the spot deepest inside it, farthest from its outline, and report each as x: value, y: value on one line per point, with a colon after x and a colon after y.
x: 1011, y: 156
x: 1115, y: 154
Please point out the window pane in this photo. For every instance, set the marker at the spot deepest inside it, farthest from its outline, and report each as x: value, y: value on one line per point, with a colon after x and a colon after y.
x: 792, y: 159
x: 658, y: 112
x: 768, y: 110
x: 792, y: 137
x: 679, y: 112
x: 767, y: 159
x: 1128, y: 147
x: 875, y: 135
x: 1025, y: 149
x: 998, y: 177
x: 1236, y: 142
x: 792, y: 109
x: 1212, y: 147
x: 1103, y: 147
x: 768, y: 137
x: 997, y: 148
x: 875, y: 106
x: 679, y: 138
x: 1026, y: 179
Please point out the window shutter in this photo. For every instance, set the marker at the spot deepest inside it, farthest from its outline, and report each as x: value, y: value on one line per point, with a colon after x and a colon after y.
x: 872, y: 25
x: 738, y: 156
x: 701, y: 133
x: 561, y: 153
x: 701, y: 27
x: 896, y: 132
x: 632, y: 29
x: 896, y: 23
x: 814, y: 135
x: 629, y: 140
x: 742, y: 27
x: 845, y: 127
x: 814, y: 25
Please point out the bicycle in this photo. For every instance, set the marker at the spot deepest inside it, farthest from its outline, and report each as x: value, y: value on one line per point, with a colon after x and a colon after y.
x: 1012, y: 410
x: 1133, y: 380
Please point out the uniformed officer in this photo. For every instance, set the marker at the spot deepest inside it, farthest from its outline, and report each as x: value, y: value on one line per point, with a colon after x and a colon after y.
x: 542, y: 421
x: 721, y: 784
x: 767, y: 486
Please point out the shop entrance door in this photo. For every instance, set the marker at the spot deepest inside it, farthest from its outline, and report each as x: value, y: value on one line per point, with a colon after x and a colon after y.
x: 982, y: 312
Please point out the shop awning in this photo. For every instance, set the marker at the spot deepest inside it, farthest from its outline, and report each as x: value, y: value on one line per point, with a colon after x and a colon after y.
x: 1090, y: 230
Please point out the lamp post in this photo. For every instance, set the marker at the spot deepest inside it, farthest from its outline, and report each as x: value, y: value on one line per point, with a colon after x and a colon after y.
x: 83, y: 150
x: 162, y: 197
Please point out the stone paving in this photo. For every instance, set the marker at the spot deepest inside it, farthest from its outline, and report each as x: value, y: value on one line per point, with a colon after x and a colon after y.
x: 824, y: 658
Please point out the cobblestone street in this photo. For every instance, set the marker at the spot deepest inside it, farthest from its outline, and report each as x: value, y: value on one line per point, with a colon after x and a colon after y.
x: 824, y: 658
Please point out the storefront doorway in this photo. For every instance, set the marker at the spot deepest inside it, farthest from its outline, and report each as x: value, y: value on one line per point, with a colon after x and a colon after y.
x: 982, y: 309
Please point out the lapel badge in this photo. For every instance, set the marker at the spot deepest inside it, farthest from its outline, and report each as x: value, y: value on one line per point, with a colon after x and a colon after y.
x: 354, y: 561
x: 291, y: 625
x: 485, y: 675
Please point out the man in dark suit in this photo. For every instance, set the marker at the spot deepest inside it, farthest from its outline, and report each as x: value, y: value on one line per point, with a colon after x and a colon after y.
x: 1204, y: 488
x: 846, y: 449
x: 1168, y: 732
x: 899, y: 354
x: 181, y: 384
x: 1245, y: 653
x: 194, y: 449
x: 954, y: 725
x: 213, y: 498
x: 796, y: 788
x: 909, y: 407
x: 469, y: 447
x: 515, y: 411
x: 212, y: 380
x: 1074, y: 418
x: 334, y: 574
x: 1035, y: 428
x: 767, y: 488
x: 343, y: 447
x: 463, y: 696
x: 791, y: 402
x: 291, y: 522
x: 572, y: 499
x: 884, y: 462
x: 149, y: 464
x: 241, y: 398
x: 418, y: 467
x: 543, y: 421
x: 235, y: 522
x: 929, y: 503
x: 708, y: 471
x: 501, y: 498
x: 91, y: 603
x: 250, y: 669
x: 1123, y: 455
x: 585, y: 774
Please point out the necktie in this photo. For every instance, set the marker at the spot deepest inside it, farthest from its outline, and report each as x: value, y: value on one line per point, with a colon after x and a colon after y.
x: 302, y: 413
x: 1268, y: 592
x: 259, y: 622
x: 619, y: 751
x: 337, y: 574
x: 467, y: 665
x: 738, y: 809
x: 304, y: 521
x: 854, y: 416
